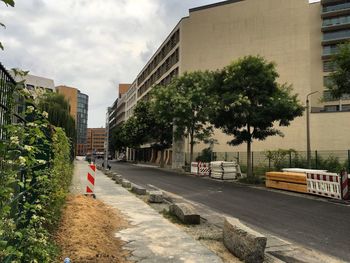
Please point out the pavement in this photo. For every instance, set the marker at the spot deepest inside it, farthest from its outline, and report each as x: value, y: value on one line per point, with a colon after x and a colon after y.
x: 316, y: 224
x: 151, y: 238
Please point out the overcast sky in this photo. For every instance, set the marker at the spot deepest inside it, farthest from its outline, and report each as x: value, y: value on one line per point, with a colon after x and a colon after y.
x: 89, y: 44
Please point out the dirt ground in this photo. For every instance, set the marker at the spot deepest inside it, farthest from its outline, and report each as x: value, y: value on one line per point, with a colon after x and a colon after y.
x: 86, y: 232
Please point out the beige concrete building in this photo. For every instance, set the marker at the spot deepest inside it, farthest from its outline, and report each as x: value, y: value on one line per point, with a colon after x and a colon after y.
x: 298, y: 36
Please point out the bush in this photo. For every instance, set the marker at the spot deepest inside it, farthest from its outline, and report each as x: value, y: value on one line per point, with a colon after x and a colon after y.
x: 36, y: 175
x: 205, y: 156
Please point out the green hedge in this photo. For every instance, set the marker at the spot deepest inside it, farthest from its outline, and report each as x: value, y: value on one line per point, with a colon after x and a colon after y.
x: 35, y: 176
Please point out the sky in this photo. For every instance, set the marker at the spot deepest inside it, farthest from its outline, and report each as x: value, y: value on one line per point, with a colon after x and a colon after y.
x: 92, y: 45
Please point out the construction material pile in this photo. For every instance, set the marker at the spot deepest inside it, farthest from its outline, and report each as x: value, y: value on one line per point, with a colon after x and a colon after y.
x: 290, y: 181
x: 225, y: 170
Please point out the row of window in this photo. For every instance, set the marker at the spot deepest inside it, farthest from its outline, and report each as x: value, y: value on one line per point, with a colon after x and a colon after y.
x: 330, y: 50
x: 328, y: 66
x: 171, y: 61
x: 337, y: 34
x: 337, y: 7
x: 340, y: 20
x: 327, y: 96
x: 169, y: 45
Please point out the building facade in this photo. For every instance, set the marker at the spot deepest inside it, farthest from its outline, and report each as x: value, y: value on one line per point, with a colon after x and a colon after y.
x: 36, y: 85
x: 297, y: 35
x: 79, y: 105
x: 95, y: 141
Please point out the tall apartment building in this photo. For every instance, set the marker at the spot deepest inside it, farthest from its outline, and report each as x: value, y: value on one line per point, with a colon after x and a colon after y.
x: 297, y: 35
x: 95, y: 141
x: 113, y: 110
x: 79, y: 104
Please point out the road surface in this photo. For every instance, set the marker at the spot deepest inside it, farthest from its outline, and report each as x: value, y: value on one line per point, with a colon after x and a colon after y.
x: 320, y: 225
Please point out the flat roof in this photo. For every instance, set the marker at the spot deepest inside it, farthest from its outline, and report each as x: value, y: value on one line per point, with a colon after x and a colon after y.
x: 214, y: 5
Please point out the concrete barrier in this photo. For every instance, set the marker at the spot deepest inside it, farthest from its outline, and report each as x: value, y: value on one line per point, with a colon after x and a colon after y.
x: 243, y: 242
x: 138, y: 189
x: 119, y: 179
x: 155, y: 197
x: 126, y: 183
x: 185, y: 213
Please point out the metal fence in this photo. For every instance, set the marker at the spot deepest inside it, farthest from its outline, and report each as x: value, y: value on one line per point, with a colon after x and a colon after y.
x: 262, y: 161
x: 7, y: 85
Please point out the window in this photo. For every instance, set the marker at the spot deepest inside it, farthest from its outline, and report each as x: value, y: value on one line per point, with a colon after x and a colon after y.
x: 336, y: 20
x: 327, y: 81
x: 328, y: 66
x: 331, y: 108
x: 330, y: 50
x: 337, y: 34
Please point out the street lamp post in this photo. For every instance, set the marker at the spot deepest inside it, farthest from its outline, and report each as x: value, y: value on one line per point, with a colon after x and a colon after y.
x: 308, y: 147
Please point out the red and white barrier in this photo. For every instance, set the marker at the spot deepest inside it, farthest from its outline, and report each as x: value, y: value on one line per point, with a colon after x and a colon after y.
x: 203, y: 169
x: 91, y: 179
x: 200, y: 169
x: 331, y: 185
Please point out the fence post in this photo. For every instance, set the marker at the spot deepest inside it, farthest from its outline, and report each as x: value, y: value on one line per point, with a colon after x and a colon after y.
x: 290, y: 159
x: 316, y: 164
x: 225, y: 156
x: 238, y: 157
x: 269, y: 163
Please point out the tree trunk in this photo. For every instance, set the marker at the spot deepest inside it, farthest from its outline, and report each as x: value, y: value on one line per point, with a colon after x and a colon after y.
x: 162, y: 161
x: 191, y: 147
x: 249, y: 155
x: 249, y: 159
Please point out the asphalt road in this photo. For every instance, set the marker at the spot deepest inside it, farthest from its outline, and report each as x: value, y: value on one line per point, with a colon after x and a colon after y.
x: 312, y: 223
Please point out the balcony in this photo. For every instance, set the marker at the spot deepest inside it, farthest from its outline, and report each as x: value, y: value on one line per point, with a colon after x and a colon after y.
x: 335, y: 10
x: 334, y: 37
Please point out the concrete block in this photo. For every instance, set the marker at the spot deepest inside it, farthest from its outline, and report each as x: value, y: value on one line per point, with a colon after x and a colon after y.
x: 114, y: 176
x: 155, y: 197
x: 243, y: 242
x: 126, y: 183
x: 185, y: 213
x: 138, y: 189
x: 118, y: 179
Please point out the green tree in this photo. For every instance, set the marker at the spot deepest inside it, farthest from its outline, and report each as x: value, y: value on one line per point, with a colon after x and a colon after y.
x: 187, y: 102
x: 7, y: 3
x: 118, y: 138
x: 58, y: 110
x: 251, y: 103
x: 157, y: 128
x: 339, y: 83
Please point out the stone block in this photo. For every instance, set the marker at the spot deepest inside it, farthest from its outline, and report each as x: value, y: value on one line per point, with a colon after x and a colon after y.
x: 138, y: 189
x: 155, y: 197
x: 126, y: 183
x: 118, y: 179
x: 186, y: 213
x: 243, y: 242
x: 114, y: 176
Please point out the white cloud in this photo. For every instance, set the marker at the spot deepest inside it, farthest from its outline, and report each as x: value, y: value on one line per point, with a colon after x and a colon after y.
x: 90, y: 44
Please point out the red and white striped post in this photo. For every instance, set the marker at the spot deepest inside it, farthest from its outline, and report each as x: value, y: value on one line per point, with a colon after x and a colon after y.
x: 344, y: 185
x: 91, y: 179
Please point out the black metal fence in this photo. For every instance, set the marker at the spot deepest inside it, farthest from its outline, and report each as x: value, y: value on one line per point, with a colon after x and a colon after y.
x: 7, y: 86
x: 263, y: 161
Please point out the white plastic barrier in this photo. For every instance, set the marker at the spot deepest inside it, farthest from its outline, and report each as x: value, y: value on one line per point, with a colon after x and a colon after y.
x: 200, y: 169
x: 225, y: 170
x: 331, y: 185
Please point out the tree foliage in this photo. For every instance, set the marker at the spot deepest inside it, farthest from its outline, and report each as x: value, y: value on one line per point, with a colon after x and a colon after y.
x: 58, y: 110
x: 339, y: 83
x: 251, y: 104
x: 187, y: 97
